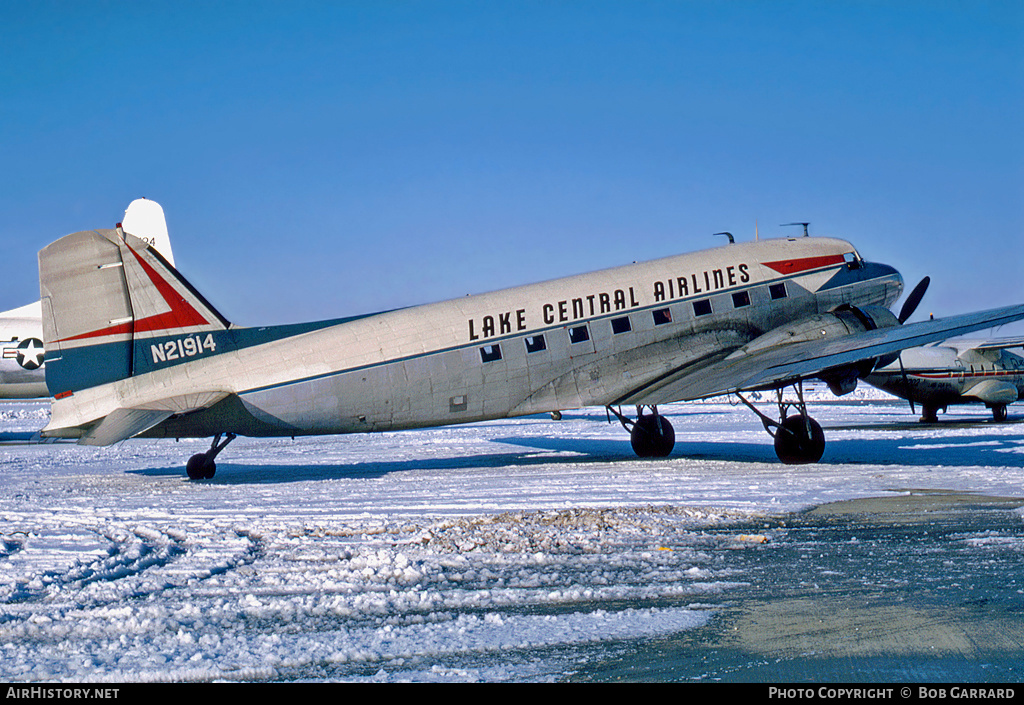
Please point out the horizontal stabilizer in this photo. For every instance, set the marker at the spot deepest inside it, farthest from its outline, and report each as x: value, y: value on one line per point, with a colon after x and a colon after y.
x: 121, y: 424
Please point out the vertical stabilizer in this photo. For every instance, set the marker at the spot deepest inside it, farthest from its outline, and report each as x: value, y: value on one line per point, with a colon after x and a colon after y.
x: 145, y: 220
x: 113, y: 307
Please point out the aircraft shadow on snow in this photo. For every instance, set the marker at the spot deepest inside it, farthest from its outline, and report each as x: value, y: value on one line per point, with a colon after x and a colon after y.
x: 585, y: 452
x: 985, y: 450
x: 980, y: 450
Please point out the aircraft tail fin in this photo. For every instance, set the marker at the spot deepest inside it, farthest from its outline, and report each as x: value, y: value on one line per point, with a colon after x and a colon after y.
x: 145, y: 220
x: 114, y: 307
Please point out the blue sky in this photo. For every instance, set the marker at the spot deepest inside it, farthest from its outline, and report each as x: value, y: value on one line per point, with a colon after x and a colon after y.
x: 321, y: 159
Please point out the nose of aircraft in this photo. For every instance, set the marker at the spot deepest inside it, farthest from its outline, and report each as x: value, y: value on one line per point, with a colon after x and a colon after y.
x: 886, y: 278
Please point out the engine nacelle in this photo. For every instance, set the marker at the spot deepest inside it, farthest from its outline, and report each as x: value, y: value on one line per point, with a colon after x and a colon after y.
x: 839, y: 322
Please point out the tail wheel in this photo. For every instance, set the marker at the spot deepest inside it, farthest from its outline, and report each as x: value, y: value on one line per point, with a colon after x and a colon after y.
x: 799, y: 440
x: 201, y: 466
x: 652, y: 436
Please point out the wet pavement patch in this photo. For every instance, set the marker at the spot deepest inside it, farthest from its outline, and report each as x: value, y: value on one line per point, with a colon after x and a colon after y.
x: 917, y: 587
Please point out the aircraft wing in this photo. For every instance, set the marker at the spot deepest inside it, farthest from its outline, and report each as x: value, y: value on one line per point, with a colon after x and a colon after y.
x: 783, y: 364
x: 998, y: 344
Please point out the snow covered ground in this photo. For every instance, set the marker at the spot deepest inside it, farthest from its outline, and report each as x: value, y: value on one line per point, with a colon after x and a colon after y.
x: 503, y: 551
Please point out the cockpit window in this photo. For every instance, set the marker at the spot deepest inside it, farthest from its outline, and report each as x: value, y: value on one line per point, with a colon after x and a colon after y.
x: 852, y: 260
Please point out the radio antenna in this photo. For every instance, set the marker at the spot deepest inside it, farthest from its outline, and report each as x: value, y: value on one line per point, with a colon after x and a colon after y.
x: 803, y: 224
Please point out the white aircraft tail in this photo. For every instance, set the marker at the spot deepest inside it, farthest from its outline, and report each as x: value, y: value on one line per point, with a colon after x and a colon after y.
x: 114, y: 307
x: 145, y: 220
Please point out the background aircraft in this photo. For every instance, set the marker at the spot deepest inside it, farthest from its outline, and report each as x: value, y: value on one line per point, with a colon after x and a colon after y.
x: 21, y: 353
x: 22, y: 372
x: 955, y: 372
x: 133, y: 349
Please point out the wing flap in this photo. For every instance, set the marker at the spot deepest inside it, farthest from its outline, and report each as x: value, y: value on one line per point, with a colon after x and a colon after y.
x: 782, y: 364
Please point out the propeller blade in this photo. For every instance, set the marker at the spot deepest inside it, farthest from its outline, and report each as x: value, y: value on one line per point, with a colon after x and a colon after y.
x: 910, y: 305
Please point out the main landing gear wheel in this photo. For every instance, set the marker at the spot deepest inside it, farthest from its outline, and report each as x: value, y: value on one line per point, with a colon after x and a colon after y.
x: 651, y: 435
x: 201, y: 466
x: 999, y: 412
x: 799, y: 440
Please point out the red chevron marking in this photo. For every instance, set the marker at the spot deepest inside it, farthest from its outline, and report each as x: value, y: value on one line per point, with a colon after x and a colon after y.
x: 803, y: 264
x: 181, y: 315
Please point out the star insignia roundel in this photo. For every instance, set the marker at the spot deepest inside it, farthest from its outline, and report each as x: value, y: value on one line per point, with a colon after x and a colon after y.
x: 30, y: 353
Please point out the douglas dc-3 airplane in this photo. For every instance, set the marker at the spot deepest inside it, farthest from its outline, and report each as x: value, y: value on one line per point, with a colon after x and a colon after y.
x: 955, y: 372
x: 132, y: 349
x: 22, y: 373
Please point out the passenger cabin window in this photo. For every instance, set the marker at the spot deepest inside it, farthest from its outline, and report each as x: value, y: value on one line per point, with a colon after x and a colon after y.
x: 621, y: 325
x: 741, y: 299
x: 662, y: 316
x: 535, y: 343
x: 490, y: 353
x: 702, y: 307
x: 778, y: 291
x: 579, y: 334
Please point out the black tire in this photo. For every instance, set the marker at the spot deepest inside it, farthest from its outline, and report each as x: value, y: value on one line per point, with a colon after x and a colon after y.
x: 200, y: 468
x: 794, y: 446
x: 652, y: 436
x: 999, y: 412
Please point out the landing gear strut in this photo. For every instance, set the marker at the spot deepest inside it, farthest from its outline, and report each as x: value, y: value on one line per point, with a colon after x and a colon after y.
x: 651, y: 435
x: 798, y: 439
x: 201, y: 466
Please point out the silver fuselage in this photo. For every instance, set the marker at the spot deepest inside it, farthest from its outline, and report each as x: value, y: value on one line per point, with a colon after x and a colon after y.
x: 585, y: 340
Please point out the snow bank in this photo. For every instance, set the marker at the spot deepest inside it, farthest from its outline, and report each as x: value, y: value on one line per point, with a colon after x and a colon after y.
x: 485, y: 552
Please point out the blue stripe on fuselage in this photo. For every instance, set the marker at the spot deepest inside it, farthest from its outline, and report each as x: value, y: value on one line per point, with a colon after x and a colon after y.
x: 74, y: 369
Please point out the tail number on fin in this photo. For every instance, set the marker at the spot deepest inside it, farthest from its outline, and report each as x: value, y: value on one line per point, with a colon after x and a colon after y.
x: 182, y: 348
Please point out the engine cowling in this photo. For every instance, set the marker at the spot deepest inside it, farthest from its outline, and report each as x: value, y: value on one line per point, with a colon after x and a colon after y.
x: 838, y: 322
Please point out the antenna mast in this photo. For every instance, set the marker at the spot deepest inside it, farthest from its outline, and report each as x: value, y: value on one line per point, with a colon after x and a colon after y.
x: 803, y: 224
